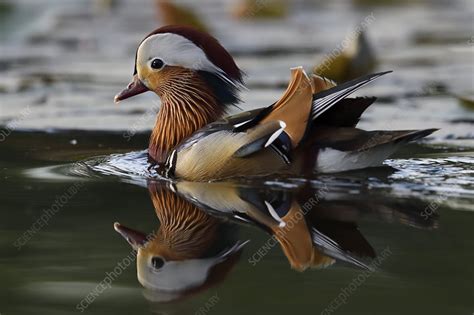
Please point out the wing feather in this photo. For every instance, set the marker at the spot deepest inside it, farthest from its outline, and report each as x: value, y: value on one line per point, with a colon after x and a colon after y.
x: 324, y: 100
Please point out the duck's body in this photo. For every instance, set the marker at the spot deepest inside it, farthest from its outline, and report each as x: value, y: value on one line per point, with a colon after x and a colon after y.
x: 252, y: 143
x: 311, y: 128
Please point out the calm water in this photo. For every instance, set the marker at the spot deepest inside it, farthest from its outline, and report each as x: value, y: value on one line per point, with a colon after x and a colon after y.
x: 396, y: 239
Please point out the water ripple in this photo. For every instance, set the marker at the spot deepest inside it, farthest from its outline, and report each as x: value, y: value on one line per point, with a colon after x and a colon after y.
x: 451, y: 176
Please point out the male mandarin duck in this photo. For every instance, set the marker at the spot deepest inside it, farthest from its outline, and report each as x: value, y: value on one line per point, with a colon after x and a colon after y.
x: 257, y: 9
x: 173, y: 13
x: 355, y: 59
x: 311, y: 128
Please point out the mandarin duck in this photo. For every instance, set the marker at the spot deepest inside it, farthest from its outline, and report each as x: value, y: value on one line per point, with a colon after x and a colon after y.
x: 190, y: 252
x: 354, y: 60
x: 172, y: 13
x: 311, y: 128
x: 467, y: 101
x: 258, y: 9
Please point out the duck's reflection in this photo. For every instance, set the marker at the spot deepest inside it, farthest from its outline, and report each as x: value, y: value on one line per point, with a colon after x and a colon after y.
x: 288, y: 216
x: 197, y: 242
x: 190, y: 251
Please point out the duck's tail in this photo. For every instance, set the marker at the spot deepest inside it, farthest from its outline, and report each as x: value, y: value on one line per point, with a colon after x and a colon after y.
x: 343, y: 149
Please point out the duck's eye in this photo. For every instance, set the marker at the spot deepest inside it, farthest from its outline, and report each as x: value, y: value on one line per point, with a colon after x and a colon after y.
x: 157, y: 64
x: 157, y: 262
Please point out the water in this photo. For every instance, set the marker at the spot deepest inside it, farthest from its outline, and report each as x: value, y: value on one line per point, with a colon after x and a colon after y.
x: 417, y: 213
x: 401, y: 234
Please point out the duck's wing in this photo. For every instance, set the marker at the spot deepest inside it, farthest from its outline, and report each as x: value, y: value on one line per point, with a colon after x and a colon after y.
x: 293, y: 108
x: 248, y: 142
x: 221, y: 152
x: 324, y: 100
x: 346, y: 112
x: 229, y: 123
x: 310, y: 101
x: 305, y: 102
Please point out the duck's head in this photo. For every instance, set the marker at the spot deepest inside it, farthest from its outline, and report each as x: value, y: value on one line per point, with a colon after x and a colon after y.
x: 180, y: 61
x: 170, y: 272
